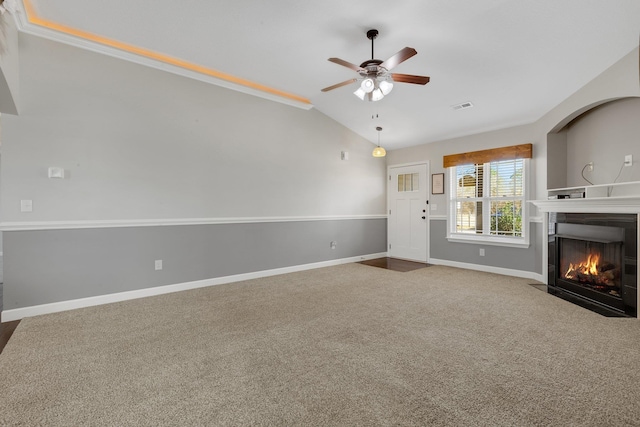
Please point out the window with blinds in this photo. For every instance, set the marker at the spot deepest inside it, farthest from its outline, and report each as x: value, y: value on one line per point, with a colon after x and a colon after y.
x: 488, y: 199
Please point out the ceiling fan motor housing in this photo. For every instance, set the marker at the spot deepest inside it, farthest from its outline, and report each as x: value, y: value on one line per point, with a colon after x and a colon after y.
x: 372, y: 68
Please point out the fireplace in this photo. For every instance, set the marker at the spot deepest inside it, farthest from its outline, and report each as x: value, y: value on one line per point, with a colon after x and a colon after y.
x: 593, y: 261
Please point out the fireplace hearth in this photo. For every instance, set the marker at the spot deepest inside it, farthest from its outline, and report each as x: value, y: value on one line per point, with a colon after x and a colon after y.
x: 593, y: 261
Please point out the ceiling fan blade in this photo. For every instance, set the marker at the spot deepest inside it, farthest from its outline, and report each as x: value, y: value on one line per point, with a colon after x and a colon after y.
x: 399, y: 57
x: 408, y: 78
x: 344, y: 83
x: 346, y: 64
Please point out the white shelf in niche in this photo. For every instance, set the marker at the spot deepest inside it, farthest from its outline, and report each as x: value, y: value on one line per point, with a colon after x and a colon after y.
x: 621, y: 197
x: 619, y: 189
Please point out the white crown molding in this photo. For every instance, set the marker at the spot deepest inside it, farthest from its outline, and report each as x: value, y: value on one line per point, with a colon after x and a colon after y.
x: 71, y: 225
x: 55, y: 307
x: 26, y: 27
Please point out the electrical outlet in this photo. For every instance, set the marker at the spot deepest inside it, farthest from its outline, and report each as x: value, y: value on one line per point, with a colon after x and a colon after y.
x: 481, y: 251
x: 628, y: 160
x: 590, y: 166
x: 333, y: 245
x: 158, y: 264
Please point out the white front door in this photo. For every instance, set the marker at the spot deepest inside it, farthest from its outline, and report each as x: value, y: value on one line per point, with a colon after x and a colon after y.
x: 408, y: 210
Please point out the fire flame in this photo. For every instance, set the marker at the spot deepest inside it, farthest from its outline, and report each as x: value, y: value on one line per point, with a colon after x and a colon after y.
x: 588, y: 267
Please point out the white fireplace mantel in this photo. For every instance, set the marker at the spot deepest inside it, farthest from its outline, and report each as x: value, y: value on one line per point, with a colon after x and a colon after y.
x: 621, y: 197
x: 592, y: 205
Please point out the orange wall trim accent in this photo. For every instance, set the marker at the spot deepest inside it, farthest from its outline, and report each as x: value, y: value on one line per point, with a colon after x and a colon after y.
x: 35, y: 19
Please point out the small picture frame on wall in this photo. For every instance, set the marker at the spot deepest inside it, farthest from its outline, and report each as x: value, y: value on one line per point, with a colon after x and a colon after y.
x: 437, y: 183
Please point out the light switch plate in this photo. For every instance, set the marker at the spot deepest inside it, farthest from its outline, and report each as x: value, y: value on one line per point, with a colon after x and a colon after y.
x: 26, y: 205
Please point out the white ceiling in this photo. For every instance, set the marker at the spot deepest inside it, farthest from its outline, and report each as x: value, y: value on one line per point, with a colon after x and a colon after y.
x: 513, y: 59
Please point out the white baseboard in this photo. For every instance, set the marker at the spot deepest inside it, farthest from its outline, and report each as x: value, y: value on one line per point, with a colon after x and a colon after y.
x: 489, y: 269
x: 55, y: 307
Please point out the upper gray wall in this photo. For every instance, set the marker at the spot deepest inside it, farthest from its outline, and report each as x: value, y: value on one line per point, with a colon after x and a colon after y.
x: 139, y: 143
x: 604, y: 136
x: 9, y: 80
x: 434, y: 153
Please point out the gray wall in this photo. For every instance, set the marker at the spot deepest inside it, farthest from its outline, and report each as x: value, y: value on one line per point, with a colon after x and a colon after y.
x: 522, y: 259
x: 139, y: 144
x: 58, y: 265
x: 557, y: 160
x: 9, y: 78
x: 604, y: 136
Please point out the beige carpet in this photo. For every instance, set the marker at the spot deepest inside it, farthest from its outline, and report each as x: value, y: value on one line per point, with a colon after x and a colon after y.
x: 349, y: 345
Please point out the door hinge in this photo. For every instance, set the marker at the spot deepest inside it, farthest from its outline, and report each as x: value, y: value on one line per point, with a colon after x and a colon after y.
x: 427, y: 202
x: 389, y: 211
x: 389, y: 177
x: 389, y: 245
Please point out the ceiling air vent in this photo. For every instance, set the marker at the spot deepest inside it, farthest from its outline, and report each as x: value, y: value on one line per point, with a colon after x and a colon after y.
x: 462, y: 106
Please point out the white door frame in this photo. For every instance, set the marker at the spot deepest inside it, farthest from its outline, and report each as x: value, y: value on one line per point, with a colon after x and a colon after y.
x: 427, y: 206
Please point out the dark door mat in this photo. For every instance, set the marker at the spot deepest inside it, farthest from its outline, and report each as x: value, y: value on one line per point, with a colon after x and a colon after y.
x: 394, y: 264
x: 6, y: 330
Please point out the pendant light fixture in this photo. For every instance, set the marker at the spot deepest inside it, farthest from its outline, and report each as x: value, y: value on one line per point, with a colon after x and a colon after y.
x: 379, y: 151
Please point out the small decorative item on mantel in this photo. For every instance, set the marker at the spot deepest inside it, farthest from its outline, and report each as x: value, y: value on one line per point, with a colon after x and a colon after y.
x: 437, y: 183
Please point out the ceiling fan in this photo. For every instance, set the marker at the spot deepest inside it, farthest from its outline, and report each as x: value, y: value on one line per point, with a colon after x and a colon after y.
x: 375, y: 79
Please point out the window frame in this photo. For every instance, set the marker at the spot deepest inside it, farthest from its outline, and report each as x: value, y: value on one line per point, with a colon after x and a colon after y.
x: 486, y: 238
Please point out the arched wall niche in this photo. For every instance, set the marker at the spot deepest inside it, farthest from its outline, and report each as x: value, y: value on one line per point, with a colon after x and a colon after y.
x: 603, y: 133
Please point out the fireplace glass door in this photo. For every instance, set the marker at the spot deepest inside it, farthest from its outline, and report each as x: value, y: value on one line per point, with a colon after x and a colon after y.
x: 591, y: 264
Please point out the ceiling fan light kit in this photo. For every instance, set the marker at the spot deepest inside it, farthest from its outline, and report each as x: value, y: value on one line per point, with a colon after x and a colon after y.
x: 386, y: 86
x: 377, y: 95
x: 367, y: 85
x: 373, y: 90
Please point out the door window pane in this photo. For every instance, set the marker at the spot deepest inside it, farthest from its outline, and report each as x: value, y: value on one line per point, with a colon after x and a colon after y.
x: 408, y: 182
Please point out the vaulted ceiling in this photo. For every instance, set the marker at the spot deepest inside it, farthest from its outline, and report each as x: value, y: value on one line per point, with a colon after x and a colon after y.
x: 514, y: 60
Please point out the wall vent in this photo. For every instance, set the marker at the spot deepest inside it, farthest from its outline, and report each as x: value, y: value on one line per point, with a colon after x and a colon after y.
x: 462, y: 106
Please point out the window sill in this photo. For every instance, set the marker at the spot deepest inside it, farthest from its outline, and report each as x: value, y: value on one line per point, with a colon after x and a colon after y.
x: 491, y: 241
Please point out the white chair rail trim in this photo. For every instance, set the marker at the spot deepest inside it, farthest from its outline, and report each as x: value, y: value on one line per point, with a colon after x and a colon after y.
x: 68, y: 225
